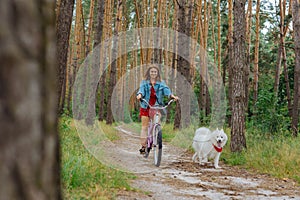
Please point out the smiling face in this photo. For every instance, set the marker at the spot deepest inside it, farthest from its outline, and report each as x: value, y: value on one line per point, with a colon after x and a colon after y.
x: 153, y: 73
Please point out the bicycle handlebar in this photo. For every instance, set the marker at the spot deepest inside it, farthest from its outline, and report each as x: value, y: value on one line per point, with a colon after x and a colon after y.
x: 158, y: 107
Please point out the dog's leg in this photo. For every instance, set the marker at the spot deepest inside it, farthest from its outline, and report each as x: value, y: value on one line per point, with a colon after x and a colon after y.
x: 216, y: 161
x: 194, y: 157
x: 200, y: 159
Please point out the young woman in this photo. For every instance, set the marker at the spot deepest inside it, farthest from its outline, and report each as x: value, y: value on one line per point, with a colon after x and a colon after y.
x: 152, y: 89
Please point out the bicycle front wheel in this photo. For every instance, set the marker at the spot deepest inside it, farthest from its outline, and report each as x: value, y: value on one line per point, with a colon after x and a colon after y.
x: 157, y: 145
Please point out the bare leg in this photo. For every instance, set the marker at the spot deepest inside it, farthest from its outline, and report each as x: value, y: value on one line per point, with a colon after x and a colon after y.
x: 144, y: 131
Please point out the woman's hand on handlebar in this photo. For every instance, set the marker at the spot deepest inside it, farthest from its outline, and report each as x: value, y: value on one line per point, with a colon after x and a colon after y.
x: 139, y: 96
x: 176, y: 98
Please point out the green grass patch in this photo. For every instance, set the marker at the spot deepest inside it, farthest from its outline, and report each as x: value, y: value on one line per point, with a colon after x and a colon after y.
x: 168, y: 132
x: 84, y: 177
x: 181, y: 138
x: 277, y: 155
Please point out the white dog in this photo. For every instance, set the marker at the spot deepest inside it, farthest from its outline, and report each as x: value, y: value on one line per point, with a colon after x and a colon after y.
x: 208, y: 145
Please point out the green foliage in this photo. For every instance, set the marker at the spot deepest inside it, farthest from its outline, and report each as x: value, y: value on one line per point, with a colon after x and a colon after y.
x: 135, y: 115
x: 268, y: 114
x: 83, y: 177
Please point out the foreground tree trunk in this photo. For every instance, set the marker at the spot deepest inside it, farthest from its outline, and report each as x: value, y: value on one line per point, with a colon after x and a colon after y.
x: 296, y: 27
x: 29, y: 149
x: 239, y: 64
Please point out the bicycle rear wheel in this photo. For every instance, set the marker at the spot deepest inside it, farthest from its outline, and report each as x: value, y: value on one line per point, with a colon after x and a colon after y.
x: 157, y: 145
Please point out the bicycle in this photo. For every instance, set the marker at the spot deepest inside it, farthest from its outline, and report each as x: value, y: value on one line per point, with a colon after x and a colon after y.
x: 154, y: 138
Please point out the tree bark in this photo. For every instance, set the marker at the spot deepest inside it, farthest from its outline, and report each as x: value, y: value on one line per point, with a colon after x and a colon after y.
x: 238, y: 139
x: 230, y: 59
x: 219, y: 34
x: 184, y: 26
x: 113, y: 70
x: 256, y: 54
x: 296, y: 27
x: 280, y: 49
x: 29, y: 148
x: 248, y: 20
x: 89, y: 44
x: 104, y: 58
x: 91, y: 112
x: 80, y: 88
x: 63, y: 29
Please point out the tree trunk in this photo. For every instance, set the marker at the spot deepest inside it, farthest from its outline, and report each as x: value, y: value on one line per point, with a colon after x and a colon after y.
x: 286, y: 79
x: 256, y: 55
x: 248, y: 24
x: 282, y: 41
x: 29, y: 148
x: 70, y: 77
x: 184, y: 26
x: 89, y: 44
x: 113, y: 71
x: 138, y: 19
x: 173, y: 66
x: 95, y: 70
x: 277, y: 70
x: 296, y: 27
x: 63, y: 29
x: 80, y: 89
x: 104, y: 58
x: 230, y: 59
x: 238, y: 139
x: 219, y: 34
x: 280, y: 49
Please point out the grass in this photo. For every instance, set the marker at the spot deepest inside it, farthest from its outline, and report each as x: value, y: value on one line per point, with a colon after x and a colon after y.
x: 83, y: 176
x: 268, y: 154
x: 278, y: 156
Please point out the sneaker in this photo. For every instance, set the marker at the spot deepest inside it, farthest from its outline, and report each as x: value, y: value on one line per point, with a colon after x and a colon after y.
x: 143, y: 150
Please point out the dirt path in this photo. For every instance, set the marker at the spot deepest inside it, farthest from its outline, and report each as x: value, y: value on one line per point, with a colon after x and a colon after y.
x: 179, y: 178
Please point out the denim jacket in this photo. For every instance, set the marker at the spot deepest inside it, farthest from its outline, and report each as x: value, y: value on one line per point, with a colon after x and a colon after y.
x: 161, y: 90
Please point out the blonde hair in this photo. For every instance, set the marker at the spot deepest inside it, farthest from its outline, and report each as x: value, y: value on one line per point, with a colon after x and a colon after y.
x: 147, y: 74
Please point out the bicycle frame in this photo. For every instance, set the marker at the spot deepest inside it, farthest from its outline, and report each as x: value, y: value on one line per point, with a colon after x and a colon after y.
x: 156, y: 118
x: 154, y: 137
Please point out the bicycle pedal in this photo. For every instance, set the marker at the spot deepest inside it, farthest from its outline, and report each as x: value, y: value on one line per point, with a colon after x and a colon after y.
x: 146, y: 155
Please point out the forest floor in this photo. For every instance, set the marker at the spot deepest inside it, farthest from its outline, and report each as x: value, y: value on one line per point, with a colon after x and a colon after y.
x: 180, y: 178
